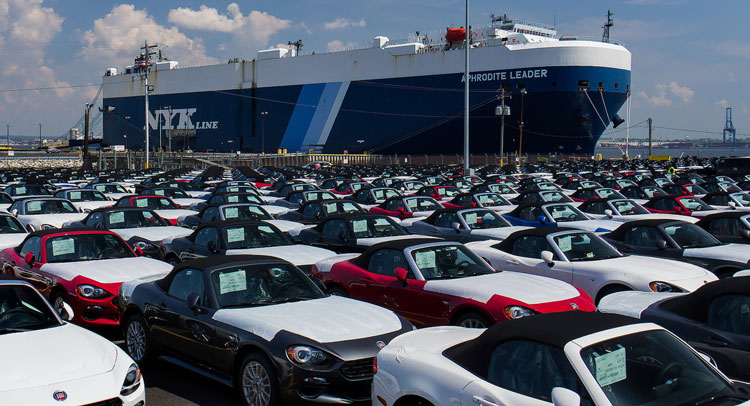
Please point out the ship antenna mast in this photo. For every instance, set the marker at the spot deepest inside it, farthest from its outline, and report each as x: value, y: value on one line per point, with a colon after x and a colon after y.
x: 607, y: 26
x: 296, y: 44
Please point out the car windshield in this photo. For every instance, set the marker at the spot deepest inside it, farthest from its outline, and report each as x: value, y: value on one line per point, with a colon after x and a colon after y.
x: 384, y: 194
x: 86, y: 196
x: 110, y: 189
x: 606, y: 193
x: 86, y: 247
x: 741, y: 198
x: 585, y: 247
x: 547, y: 186
x: 690, y: 236
x: 341, y: 208
x: 324, y: 195
x: 154, y: 203
x: 237, y: 189
x: 413, y: 185
x: 555, y: 197
x: 628, y: 207
x: 134, y: 219
x: 652, y: 191
x: 259, y: 285
x: 253, y: 236
x: 448, y: 262
x: 23, y: 309
x: 27, y: 190
x: 695, y: 204
x: 564, y: 212
x: 9, y: 224
x: 421, y: 204
x: 491, y: 199
x: 242, y: 198
x: 502, y: 189
x: 652, y: 368
x: 373, y: 227
x: 245, y: 212
x: 171, y: 193
x: 480, y: 219
x: 49, y: 207
x: 448, y: 191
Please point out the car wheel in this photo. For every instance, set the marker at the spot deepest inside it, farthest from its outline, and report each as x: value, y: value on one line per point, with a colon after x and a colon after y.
x: 57, y: 299
x: 337, y: 291
x: 257, y: 382
x: 137, y: 340
x: 473, y: 320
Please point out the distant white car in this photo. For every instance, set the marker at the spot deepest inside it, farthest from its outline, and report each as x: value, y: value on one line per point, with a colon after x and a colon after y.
x: 12, y: 232
x: 58, y: 363
x: 561, y: 359
x: 585, y: 260
x: 42, y: 213
x: 85, y: 199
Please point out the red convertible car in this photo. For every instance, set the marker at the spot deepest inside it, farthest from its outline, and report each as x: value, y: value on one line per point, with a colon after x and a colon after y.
x: 433, y: 283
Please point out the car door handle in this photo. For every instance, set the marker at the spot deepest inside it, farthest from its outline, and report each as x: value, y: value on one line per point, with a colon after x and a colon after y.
x: 482, y: 401
x: 26, y: 274
x: 512, y: 262
x: 714, y: 342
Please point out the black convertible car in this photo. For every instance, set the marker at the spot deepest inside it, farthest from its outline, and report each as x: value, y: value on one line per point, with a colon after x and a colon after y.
x: 315, y: 211
x: 352, y: 232
x: 260, y: 325
x: 728, y: 226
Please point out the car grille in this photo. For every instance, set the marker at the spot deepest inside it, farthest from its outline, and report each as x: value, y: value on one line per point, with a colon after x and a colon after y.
x: 109, y: 402
x: 357, y: 369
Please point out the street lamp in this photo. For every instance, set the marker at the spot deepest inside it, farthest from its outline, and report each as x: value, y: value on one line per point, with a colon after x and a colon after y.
x: 520, y: 128
x: 126, y: 141
x: 263, y: 115
x: 502, y: 110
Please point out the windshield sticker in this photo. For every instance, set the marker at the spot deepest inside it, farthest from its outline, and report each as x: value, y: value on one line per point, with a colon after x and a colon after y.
x: 359, y: 226
x: 117, y: 217
x: 471, y: 218
x: 565, y: 243
x: 159, y: 192
x: 610, y: 367
x: 75, y: 195
x: 34, y: 205
x: 412, y: 203
x: 20, y: 190
x: 330, y: 207
x: 232, y: 282
x: 233, y: 199
x: 63, y: 246
x: 235, y: 234
x: 231, y: 212
x: 141, y: 203
x: 425, y: 259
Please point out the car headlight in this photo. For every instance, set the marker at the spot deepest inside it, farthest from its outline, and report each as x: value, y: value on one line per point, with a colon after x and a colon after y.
x: 48, y: 227
x: 143, y: 245
x: 517, y: 312
x: 92, y: 292
x: 662, y: 287
x: 132, y: 380
x: 309, y: 357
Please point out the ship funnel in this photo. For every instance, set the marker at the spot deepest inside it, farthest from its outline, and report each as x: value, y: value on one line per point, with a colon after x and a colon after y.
x: 616, y: 121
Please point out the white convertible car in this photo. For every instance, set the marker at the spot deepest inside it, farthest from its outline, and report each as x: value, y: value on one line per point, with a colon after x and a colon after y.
x: 42, y: 213
x: 49, y: 361
x: 587, y: 261
x: 560, y: 359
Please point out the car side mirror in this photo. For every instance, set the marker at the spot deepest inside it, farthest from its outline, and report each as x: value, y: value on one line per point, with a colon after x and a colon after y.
x: 473, y: 204
x: 211, y: 246
x: 548, y: 257
x: 609, y: 213
x: 677, y: 208
x: 565, y: 397
x: 401, y: 275
x: 732, y: 205
x: 542, y: 219
x: 745, y: 233
x: 29, y: 258
x: 318, y: 215
x: 342, y: 236
x: 456, y: 226
x: 65, y: 312
x: 193, y: 302
x: 138, y: 251
x: 14, y: 212
x: 400, y: 209
x: 661, y: 244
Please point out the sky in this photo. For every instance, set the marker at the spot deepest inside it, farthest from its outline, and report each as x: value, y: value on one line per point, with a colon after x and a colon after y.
x: 690, y: 58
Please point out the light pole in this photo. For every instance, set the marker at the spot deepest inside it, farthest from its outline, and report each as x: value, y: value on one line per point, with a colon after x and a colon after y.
x: 520, y: 128
x: 263, y: 115
x: 40, y: 135
x: 125, y: 136
x: 467, y: 42
x: 504, y: 111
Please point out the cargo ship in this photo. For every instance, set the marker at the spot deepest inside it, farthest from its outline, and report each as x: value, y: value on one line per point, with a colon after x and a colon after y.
x: 401, y: 96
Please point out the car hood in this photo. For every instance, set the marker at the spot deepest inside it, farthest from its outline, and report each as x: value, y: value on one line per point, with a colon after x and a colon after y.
x: 58, y: 354
x: 499, y: 233
x: 57, y: 220
x: 650, y: 216
x: 174, y: 213
x: 108, y: 270
x: 155, y: 234
x: 275, y: 210
x: 592, y: 225
x: 296, y: 254
x: 729, y: 252
x: 367, y: 242
x: 657, y: 269
x: 529, y: 289
x: 631, y: 303
x: 284, y: 225
x: 325, y: 320
x: 11, y: 240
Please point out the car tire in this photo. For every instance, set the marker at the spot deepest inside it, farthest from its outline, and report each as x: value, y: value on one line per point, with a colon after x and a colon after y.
x: 137, y: 339
x: 257, y: 382
x: 473, y: 320
x: 56, y: 300
x: 337, y: 291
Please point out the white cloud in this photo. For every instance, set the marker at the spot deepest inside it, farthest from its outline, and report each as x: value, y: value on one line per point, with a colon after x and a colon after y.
x: 116, y: 38
x: 340, y: 23
x: 684, y: 93
x: 337, y: 45
x: 723, y: 103
x: 660, y: 97
x: 304, y: 27
x: 258, y: 25
x: 733, y: 48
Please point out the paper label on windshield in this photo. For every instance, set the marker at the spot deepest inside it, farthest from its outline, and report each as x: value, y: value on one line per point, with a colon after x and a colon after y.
x: 471, y: 218
x: 20, y: 190
x: 412, y: 203
x: 75, y: 195
x: 330, y: 207
x: 159, y: 192
x: 425, y: 259
x: 235, y: 234
x: 565, y: 243
x: 610, y: 368
x: 34, y: 205
x: 62, y: 247
x: 231, y: 213
x: 233, y: 199
x: 117, y: 217
x: 141, y: 203
x: 232, y: 282
x: 359, y: 226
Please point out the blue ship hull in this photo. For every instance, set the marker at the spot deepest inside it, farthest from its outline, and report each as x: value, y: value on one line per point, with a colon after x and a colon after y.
x: 412, y: 115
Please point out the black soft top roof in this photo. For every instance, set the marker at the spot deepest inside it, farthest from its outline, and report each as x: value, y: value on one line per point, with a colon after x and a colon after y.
x: 619, y: 232
x: 210, y: 262
x: 363, y: 260
x: 695, y: 305
x: 507, y: 244
x: 553, y: 329
x: 62, y: 231
x: 348, y: 216
x: 734, y: 214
